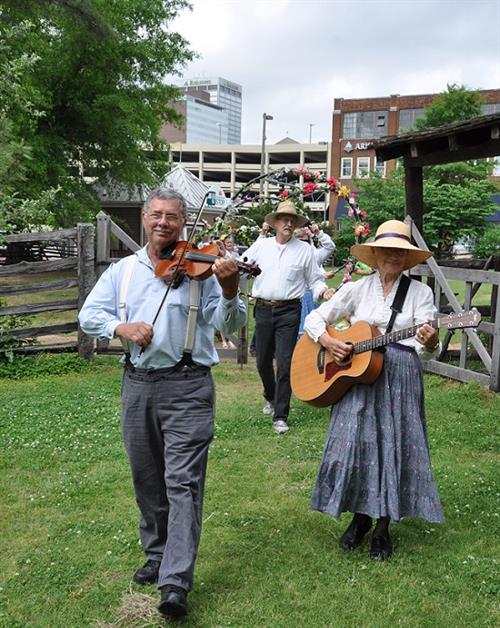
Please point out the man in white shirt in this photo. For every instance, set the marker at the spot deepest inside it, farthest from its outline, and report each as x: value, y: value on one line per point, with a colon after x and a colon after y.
x: 288, y: 268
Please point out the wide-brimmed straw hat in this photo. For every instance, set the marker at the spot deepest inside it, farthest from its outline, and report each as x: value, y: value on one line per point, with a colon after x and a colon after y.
x: 392, y: 234
x: 286, y: 208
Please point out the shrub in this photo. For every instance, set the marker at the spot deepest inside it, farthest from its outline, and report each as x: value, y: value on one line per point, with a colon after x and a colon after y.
x: 488, y: 243
x: 43, y: 364
x: 8, y: 341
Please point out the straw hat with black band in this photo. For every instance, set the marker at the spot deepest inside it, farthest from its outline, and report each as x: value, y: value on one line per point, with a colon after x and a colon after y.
x: 392, y: 234
x: 286, y: 208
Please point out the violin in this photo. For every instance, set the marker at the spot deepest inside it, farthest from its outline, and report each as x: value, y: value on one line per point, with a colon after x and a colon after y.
x: 184, y: 258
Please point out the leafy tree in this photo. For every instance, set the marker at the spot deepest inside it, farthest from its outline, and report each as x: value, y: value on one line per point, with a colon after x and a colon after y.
x: 97, y: 83
x: 455, y: 203
x: 456, y: 104
x: 16, y: 100
x: 489, y: 243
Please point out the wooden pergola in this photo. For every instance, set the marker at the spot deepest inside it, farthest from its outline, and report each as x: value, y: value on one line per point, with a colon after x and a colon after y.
x: 475, y: 139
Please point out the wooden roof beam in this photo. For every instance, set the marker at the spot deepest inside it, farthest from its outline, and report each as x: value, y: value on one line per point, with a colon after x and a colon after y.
x: 463, y: 153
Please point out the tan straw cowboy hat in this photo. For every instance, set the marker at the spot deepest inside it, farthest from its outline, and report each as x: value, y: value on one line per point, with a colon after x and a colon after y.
x: 286, y: 208
x: 392, y: 234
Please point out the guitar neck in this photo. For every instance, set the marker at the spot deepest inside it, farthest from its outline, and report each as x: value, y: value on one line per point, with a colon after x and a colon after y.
x: 394, y: 336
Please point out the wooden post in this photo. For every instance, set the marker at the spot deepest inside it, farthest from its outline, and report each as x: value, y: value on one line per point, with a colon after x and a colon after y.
x: 495, y: 356
x: 414, y: 188
x: 85, y: 247
x: 242, y: 353
x: 103, y: 242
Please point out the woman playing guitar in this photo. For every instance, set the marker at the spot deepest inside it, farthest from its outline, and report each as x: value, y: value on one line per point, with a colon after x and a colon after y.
x: 376, y: 461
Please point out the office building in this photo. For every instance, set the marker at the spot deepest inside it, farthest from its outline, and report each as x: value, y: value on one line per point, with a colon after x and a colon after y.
x: 222, y: 93
x: 203, y: 121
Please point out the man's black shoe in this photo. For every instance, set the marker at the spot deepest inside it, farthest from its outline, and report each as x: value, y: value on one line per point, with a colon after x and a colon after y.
x: 355, y: 533
x: 148, y: 573
x: 173, y: 602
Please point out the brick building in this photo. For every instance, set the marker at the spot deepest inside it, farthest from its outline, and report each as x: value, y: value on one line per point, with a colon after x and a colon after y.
x: 359, y: 121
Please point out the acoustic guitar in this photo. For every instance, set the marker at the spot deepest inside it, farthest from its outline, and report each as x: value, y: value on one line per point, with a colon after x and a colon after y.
x: 317, y: 379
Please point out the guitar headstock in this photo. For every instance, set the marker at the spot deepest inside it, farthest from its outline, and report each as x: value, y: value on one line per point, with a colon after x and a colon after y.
x: 462, y: 320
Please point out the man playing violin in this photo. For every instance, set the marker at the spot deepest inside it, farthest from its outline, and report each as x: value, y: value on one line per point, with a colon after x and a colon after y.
x: 168, y: 393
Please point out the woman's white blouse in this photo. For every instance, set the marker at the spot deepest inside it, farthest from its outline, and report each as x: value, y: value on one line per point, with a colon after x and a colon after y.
x: 363, y: 300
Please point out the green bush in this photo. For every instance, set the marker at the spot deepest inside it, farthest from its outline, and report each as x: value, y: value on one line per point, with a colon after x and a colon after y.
x: 8, y: 340
x: 344, y: 238
x: 488, y: 243
x: 42, y: 364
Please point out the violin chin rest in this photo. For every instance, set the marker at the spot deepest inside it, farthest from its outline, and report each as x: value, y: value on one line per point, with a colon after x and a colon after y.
x: 166, y: 252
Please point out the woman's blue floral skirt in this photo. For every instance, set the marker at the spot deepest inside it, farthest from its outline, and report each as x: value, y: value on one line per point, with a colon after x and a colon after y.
x: 376, y: 456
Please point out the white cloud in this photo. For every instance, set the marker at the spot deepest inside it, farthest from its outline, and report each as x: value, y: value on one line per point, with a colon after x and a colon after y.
x: 294, y: 57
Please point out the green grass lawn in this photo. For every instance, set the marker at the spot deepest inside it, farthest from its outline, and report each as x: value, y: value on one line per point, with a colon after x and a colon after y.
x: 69, y: 541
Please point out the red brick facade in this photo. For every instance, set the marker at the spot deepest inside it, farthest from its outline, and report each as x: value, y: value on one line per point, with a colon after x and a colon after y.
x: 355, y: 151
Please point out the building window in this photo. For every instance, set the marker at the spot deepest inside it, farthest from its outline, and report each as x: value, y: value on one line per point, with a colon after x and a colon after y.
x: 346, y: 168
x: 408, y: 118
x: 490, y: 108
x: 363, y: 167
x: 380, y: 167
x: 349, y: 130
x: 365, y: 125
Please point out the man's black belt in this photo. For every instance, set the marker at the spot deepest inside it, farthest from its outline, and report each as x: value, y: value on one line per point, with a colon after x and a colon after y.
x: 181, y: 367
x: 273, y: 303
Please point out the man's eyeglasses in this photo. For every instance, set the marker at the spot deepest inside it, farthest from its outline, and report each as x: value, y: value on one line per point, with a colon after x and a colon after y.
x: 157, y: 217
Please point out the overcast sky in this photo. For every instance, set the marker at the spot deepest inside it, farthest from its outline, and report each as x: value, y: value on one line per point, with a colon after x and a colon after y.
x: 293, y: 57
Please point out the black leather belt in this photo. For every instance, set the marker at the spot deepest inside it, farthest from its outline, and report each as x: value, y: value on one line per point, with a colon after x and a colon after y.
x: 178, y: 368
x: 273, y: 303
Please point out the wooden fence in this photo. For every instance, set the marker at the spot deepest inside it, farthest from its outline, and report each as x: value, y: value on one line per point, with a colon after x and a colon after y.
x: 77, y: 246
x: 471, y: 345
x: 81, y: 267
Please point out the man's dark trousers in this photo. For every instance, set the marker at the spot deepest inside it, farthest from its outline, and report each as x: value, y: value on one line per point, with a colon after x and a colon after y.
x: 167, y: 424
x: 276, y: 331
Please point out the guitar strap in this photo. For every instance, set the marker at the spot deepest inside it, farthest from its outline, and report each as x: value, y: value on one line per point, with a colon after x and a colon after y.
x: 399, y: 299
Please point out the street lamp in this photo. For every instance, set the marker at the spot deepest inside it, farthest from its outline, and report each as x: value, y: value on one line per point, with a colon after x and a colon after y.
x: 265, y: 117
x: 311, y: 124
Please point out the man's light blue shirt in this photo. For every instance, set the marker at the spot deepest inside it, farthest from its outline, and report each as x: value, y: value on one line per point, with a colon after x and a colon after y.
x: 100, y: 314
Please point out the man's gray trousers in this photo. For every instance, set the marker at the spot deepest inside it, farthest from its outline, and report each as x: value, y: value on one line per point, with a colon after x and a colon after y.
x: 167, y: 424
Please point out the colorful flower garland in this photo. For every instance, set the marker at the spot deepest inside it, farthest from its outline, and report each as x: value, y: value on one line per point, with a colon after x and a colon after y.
x: 245, y: 230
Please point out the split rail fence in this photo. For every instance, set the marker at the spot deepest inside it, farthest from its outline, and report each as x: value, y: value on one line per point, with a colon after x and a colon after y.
x: 67, y: 254
x: 478, y: 357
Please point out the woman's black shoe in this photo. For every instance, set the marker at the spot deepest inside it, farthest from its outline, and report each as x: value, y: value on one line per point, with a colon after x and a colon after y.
x: 355, y: 533
x: 381, y: 547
